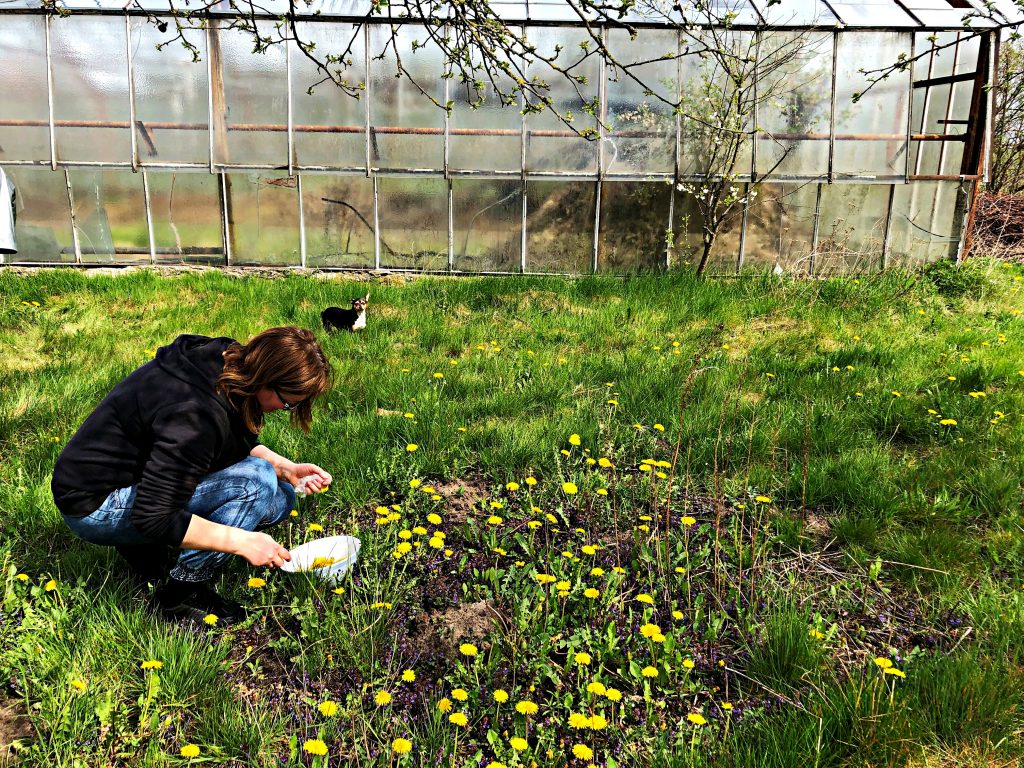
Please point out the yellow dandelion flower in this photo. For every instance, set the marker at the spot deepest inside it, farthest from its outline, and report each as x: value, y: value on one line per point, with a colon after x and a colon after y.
x: 51, y: 585
x: 591, y: 594
x: 513, y: 486
x: 598, y: 722
x: 256, y: 582
x: 22, y: 577
x: 518, y: 743
x: 460, y: 694
x: 501, y: 695
x: 211, y: 618
x: 444, y: 704
x: 328, y: 708
x: 526, y: 707
x: 468, y: 649
x: 596, y: 688
x: 948, y: 422
x: 315, y: 747
x: 401, y: 746
x: 315, y: 527
x: 189, y: 750
x: 569, y: 488
x: 882, y: 662
x: 495, y: 520
x: 152, y: 664
x: 382, y: 698
x: 649, y: 671
x: 613, y: 694
x: 458, y: 718
x: 582, y: 751
x: 688, y: 521
x: 411, y: 447
x: 574, y: 439
x: 583, y: 658
x: 434, y: 519
x: 893, y: 671
x: 409, y: 676
x: 696, y: 718
x: 78, y: 685
x: 688, y: 663
x: 643, y: 597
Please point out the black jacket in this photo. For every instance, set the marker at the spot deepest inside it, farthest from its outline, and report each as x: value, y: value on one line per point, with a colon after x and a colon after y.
x: 162, y: 428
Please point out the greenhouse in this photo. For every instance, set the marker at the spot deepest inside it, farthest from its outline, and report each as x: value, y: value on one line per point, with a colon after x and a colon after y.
x: 737, y: 139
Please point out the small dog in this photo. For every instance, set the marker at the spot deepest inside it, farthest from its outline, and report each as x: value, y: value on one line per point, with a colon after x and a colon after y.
x: 353, y: 319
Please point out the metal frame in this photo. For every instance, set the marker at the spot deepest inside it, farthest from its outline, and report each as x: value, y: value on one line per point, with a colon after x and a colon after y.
x: 294, y: 168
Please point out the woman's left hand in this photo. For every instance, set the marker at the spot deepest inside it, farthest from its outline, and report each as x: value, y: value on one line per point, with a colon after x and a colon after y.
x: 315, y: 479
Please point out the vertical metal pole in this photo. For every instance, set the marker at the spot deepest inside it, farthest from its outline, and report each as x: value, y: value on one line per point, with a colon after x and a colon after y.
x: 910, y: 108
x: 291, y: 116
x: 376, y: 225
x: 224, y: 217
x: 949, y: 105
x: 990, y: 112
x: 743, y: 228
x: 671, y: 226
x: 131, y: 93
x: 302, y: 222
x: 926, y: 105
x: 597, y: 227
x: 522, y: 171
x: 602, y: 107
x: 74, y: 225
x: 209, y: 87
x: 522, y: 232
x: 887, y: 239
x: 149, y: 217
x: 814, y: 234
x: 366, y: 133
x: 451, y: 225
x: 832, y: 108
x: 49, y: 101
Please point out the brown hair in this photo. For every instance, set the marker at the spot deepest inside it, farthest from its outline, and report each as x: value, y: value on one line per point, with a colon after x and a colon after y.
x: 287, y: 359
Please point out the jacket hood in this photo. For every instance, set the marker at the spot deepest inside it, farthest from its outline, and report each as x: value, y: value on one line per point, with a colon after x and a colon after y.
x: 196, y: 360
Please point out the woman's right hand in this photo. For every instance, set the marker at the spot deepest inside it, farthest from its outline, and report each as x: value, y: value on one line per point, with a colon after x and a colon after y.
x: 260, y: 549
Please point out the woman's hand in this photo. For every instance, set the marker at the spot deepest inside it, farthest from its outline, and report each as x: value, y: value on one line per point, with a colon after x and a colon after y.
x: 312, y: 478
x: 260, y: 549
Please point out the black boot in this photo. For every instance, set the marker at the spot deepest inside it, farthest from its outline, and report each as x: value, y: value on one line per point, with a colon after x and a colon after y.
x: 194, y: 601
x: 147, y: 562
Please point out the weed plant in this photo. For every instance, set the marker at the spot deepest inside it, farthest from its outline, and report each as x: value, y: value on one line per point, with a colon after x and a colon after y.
x: 605, y: 521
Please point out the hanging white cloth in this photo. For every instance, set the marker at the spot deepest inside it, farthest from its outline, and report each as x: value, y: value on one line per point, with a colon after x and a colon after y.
x: 7, y: 200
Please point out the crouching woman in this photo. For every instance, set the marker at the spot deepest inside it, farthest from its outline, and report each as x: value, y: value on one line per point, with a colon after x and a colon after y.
x: 170, y: 459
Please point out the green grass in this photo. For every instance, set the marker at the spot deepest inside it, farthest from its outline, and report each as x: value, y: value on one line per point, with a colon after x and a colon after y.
x: 887, y: 533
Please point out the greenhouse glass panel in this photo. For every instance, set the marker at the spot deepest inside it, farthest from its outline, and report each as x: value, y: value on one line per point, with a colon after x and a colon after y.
x: 43, y: 228
x: 263, y: 216
x: 551, y: 146
x: 329, y: 125
x: 794, y: 103
x: 90, y: 89
x: 251, y: 117
x: 688, y: 235
x: 185, y: 206
x: 716, y: 121
x: 484, y: 135
x: 642, y: 122
x: 406, y: 128
x: 488, y: 224
x: 110, y: 215
x: 23, y: 61
x: 413, y: 214
x: 560, y: 226
x: 802, y: 13
x: 851, y: 228
x: 873, y: 13
x: 172, y: 111
x: 871, y: 134
x: 634, y: 220
x: 780, y: 228
x: 338, y: 213
x: 926, y: 222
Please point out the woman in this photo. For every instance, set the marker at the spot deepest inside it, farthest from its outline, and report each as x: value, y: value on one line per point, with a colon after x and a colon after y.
x: 170, y: 458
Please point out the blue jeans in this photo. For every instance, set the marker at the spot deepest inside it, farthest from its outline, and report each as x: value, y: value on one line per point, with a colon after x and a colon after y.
x: 246, y: 495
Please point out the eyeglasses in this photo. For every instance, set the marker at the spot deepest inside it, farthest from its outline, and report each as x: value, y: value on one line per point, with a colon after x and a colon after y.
x: 287, y: 406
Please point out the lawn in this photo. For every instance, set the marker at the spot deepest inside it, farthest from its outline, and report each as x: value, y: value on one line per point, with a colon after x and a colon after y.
x: 611, y: 521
